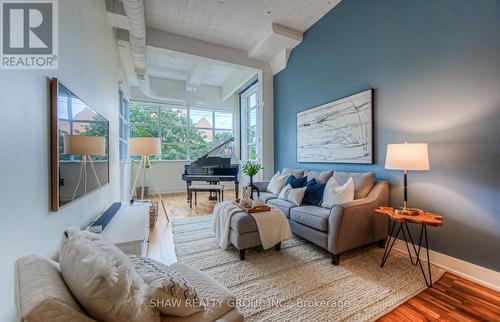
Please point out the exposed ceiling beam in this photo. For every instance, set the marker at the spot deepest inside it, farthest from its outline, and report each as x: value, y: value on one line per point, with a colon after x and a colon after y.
x: 200, y: 48
x: 234, y: 84
x: 196, y: 75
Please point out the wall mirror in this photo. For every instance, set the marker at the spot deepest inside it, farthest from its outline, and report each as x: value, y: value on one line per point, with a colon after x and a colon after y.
x: 79, y: 147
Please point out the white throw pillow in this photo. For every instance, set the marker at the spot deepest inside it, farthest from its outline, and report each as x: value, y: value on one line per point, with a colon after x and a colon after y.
x: 295, y: 196
x: 297, y: 173
x: 103, y: 279
x: 336, y: 194
x: 277, y: 182
x: 169, y: 292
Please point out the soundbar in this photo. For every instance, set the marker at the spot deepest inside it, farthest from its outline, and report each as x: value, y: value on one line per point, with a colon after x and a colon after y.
x: 103, y: 220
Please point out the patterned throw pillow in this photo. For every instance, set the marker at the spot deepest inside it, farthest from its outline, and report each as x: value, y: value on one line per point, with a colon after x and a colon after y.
x: 169, y: 292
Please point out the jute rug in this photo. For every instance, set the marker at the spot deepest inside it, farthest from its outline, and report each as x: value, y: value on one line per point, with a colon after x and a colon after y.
x: 299, y: 283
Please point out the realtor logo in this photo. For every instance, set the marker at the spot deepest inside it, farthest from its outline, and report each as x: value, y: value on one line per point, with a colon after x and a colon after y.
x: 29, y: 34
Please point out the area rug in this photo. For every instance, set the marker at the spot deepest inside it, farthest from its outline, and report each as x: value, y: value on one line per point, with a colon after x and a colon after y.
x: 299, y: 283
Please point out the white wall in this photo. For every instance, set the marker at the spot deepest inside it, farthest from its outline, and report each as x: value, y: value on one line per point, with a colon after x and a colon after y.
x: 89, y: 66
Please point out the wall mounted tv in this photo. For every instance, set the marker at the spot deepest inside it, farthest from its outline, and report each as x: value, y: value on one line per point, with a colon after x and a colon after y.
x: 79, y: 147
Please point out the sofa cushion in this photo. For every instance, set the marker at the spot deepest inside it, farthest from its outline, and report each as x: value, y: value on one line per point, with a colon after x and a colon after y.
x: 41, y: 294
x: 218, y: 299
x: 320, y: 176
x: 265, y: 196
x: 296, y: 182
x: 293, y: 172
x: 314, y: 193
x: 295, y: 196
x: 336, y: 194
x: 169, y: 292
x: 241, y: 222
x: 277, y: 183
x: 312, y: 216
x: 282, y: 205
x: 363, y: 181
x: 103, y: 279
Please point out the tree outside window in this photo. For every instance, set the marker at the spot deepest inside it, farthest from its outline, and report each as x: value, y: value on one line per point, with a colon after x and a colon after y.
x: 186, y: 133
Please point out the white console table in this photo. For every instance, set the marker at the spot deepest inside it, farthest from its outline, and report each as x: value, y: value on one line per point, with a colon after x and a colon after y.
x: 129, y: 228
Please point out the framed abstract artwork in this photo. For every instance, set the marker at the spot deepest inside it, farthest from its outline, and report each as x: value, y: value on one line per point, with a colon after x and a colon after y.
x: 337, y: 132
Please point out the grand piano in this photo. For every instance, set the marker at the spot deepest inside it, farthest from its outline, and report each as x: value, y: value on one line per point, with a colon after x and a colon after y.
x: 214, y: 166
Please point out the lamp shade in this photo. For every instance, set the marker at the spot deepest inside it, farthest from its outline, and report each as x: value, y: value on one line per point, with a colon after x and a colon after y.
x: 144, y: 146
x: 407, y: 156
x: 84, y: 145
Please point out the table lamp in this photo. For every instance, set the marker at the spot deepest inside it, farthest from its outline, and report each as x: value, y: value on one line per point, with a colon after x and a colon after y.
x: 145, y: 147
x: 407, y: 157
x: 86, y: 146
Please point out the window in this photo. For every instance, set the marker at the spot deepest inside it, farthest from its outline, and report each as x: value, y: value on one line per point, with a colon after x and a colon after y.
x: 249, y: 123
x: 186, y: 132
x: 124, y: 127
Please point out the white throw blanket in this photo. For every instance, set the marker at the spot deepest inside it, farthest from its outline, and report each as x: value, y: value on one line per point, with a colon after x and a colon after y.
x: 221, y: 221
x: 273, y: 225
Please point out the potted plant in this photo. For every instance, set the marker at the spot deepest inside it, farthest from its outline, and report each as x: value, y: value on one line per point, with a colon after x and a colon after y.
x: 251, y: 168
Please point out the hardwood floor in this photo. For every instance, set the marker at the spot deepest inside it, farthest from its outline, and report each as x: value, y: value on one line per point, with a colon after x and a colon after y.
x: 452, y: 298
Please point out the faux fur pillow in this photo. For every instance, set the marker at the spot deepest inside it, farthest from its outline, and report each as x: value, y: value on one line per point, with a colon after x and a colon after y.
x: 103, y: 279
x: 169, y: 293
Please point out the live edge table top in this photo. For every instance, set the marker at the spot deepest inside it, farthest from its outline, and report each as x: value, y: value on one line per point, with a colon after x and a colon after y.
x: 423, y: 218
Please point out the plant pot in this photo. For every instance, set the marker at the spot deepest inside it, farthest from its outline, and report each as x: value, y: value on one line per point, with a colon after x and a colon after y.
x: 138, y: 192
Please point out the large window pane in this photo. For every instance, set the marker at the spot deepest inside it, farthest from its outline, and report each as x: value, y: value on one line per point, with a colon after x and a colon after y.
x: 252, y: 135
x: 173, y: 151
x: 173, y: 116
x: 222, y: 136
x: 137, y: 131
x: 200, y: 142
x: 252, y: 117
x: 201, y: 118
x: 143, y: 114
x: 174, y: 135
x: 223, y: 120
x: 252, y: 100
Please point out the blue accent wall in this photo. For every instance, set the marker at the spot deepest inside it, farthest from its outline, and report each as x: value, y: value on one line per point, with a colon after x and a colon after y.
x: 435, y: 68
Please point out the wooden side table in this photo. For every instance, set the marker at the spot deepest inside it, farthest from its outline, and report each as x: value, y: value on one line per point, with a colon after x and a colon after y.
x: 424, y: 219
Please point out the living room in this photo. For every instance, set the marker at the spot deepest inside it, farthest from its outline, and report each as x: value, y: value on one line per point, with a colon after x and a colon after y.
x: 315, y: 160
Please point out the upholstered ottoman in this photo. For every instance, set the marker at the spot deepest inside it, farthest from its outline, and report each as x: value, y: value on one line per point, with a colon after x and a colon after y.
x: 244, y: 233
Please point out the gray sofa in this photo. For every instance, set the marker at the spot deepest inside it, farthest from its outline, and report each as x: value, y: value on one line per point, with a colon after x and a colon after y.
x: 342, y: 227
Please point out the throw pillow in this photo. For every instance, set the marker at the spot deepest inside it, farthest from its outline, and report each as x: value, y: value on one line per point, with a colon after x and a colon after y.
x: 295, y: 196
x: 103, y: 279
x: 336, y: 194
x: 277, y: 183
x: 314, y: 193
x: 320, y: 176
x: 363, y: 182
x: 296, y: 182
x: 295, y: 172
x: 169, y: 292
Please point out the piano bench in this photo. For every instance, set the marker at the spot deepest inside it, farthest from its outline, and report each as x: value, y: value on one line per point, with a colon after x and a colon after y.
x: 212, y: 188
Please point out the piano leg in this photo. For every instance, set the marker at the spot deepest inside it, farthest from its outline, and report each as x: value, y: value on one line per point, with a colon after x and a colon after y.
x: 189, y: 195
x: 237, y: 188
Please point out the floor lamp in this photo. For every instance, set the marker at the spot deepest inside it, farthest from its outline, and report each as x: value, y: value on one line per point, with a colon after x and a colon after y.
x: 86, y: 146
x: 145, y: 147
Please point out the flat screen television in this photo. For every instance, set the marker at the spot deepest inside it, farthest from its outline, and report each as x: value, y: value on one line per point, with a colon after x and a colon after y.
x: 79, y: 147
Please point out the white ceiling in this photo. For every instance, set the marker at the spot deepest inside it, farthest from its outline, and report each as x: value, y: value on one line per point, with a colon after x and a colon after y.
x: 234, y: 23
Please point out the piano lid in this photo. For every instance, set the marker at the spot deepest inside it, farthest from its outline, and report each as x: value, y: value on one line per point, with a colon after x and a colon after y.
x: 223, y: 150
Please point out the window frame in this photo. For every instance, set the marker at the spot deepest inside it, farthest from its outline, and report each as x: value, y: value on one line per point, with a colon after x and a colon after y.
x: 159, y: 105
x: 246, y: 124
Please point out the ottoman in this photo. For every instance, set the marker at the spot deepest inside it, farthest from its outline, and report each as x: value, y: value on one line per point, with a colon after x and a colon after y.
x: 244, y: 233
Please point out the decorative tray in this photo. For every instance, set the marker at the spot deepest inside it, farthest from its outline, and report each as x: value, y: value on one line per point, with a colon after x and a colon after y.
x: 253, y: 209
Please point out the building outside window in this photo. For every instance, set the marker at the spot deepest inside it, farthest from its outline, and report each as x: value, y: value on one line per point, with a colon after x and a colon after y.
x: 186, y: 132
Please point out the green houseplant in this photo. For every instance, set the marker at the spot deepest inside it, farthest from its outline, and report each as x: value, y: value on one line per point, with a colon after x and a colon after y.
x: 251, y: 168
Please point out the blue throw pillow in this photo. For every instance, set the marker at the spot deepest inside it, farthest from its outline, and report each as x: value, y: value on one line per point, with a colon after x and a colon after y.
x: 296, y: 183
x: 314, y: 193
x: 311, y: 182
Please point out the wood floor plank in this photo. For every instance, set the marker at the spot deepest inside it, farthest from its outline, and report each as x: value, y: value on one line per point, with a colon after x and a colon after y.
x: 451, y: 298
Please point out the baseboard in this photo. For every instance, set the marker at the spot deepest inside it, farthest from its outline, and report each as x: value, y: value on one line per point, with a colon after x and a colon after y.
x: 473, y: 272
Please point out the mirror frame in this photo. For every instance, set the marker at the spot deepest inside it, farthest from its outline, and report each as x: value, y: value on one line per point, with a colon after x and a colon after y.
x: 54, y: 147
